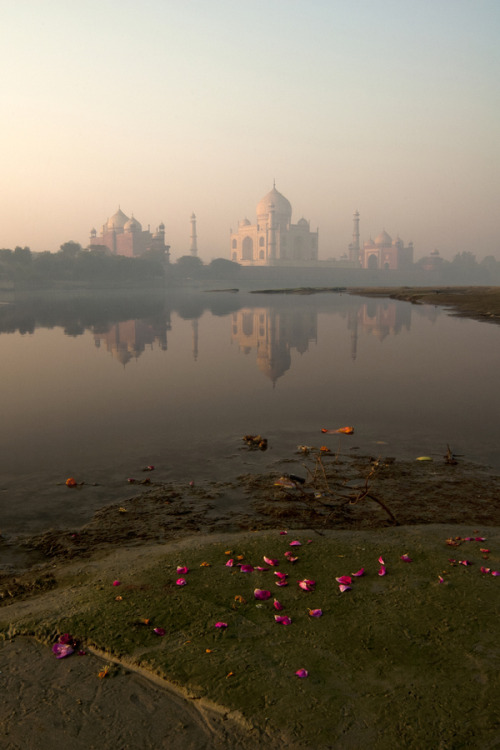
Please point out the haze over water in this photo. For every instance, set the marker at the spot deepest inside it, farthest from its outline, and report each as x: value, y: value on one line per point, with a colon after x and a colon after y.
x: 101, y: 394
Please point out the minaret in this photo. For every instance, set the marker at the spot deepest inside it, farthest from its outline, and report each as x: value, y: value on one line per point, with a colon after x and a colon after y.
x: 194, y: 247
x: 354, y: 246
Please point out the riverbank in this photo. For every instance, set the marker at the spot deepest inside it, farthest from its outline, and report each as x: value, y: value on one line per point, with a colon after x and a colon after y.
x: 477, y: 302
x: 381, y: 658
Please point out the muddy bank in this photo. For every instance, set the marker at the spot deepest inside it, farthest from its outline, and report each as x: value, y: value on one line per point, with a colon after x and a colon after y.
x: 477, y: 302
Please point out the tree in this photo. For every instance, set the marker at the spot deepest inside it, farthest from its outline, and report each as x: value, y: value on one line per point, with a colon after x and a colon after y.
x: 190, y: 266
x: 70, y: 249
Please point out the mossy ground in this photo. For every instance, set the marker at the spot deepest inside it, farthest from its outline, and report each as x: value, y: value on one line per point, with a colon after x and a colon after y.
x: 398, y: 661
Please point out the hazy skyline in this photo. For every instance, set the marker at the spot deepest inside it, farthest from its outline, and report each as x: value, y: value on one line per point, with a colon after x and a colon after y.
x: 389, y: 107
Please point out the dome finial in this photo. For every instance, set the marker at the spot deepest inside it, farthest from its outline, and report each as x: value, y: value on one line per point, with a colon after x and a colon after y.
x: 274, y: 183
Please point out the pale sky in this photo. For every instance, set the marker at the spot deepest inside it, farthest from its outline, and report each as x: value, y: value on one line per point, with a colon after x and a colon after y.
x: 165, y: 107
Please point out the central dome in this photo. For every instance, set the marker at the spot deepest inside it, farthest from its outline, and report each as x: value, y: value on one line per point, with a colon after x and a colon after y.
x: 282, y: 206
x: 118, y: 220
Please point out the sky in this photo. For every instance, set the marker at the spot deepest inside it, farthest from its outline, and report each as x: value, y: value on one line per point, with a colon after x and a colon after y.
x: 165, y: 107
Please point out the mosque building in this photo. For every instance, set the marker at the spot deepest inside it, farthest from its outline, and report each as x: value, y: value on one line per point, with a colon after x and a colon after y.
x: 274, y: 240
x: 125, y: 236
x: 381, y: 253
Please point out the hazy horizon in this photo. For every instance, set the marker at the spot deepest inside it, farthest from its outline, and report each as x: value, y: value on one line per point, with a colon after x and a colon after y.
x: 165, y: 108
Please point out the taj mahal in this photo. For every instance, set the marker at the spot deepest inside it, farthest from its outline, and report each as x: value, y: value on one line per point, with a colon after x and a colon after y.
x: 274, y: 240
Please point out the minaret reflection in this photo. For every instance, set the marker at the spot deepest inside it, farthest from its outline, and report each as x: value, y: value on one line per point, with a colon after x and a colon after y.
x: 378, y: 318
x: 273, y: 334
x: 127, y: 339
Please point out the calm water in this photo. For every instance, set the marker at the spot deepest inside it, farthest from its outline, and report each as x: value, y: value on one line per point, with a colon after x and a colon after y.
x: 98, y: 389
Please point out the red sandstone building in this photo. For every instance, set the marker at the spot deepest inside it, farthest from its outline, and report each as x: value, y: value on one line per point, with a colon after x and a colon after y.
x: 125, y: 236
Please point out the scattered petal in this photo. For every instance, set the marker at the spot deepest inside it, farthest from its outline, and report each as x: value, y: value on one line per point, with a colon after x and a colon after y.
x: 441, y: 579
x: 307, y: 585
x: 181, y: 582
x: 277, y: 605
x: 62, y: 650
x: 343, y: 587
x: 483, y: 549
x: 495, y: 572
x: 480, y: 539
x: 205, y: 564
x: 246, y: 568
x: 283, y: 533
x: 359, y: 573
x: 346, y: 580
x: 221, y: 625
x: 118, y: 598
x: 464, y: 562
x: 228, y: 552
x: 302, y: 673
x: 381, y: 560
x: 261, y: 594
x: 239, y: 599
x: 382, y: 571
x: 270, y: 561
x: 117, y: 583
x: 281, y: 582
x: 484, y: 570
x: 280, y: 575
x: 208, y: 650
x: 295, y: 543
x: 315, y: 612
x: 406, y: 558
x: 230, y: 563
x: 283, y: 619
x: 182, y: 569
x: 261, y: 569
x: 159, y: 631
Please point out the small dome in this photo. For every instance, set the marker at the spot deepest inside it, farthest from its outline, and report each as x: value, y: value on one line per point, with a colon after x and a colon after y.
x: 282, y: 206
x: 132, y: 225
x: 302, y: 223
x: 244, y: 223
x: 383, y: 238
x: 118, y: 220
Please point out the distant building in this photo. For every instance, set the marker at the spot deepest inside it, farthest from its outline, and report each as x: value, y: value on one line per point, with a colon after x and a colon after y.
x: 125, y: 236
x: 381, y: 253
x: 274, y: 240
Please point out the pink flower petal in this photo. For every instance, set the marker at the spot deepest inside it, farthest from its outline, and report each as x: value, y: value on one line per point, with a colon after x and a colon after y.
x: 261, y: 569
x: 483, y: 549
x: 283, y: 533
x: 181, y: 582
x: 406, y: 558
x: 277, y: 605
x: 480, y: 539
x: 307, y: 584
x: 221, y: 625
x: 230, y: 563
x: 291, y: 558
x: 441, y: 579
x: 315, y: 612
x: 246, y: 568
x: 280, y: 575
x: 295, y: 543
x: 281, y: 582
x: 283, y: 619
x: 159, y: 631
x: 346, y: 580
x: 382, y: 571
x: 270, y: 561
x: 302, y: 673
x: 381, y: 561
x: 495, y: 572
x: 62, y: 650
x: 182, y: 569
x: 359, y: 573
x: 464, y: 562
x: 261, y: 594
x: 117, y: 583
x: 484, y: 570
x: 343, y: 587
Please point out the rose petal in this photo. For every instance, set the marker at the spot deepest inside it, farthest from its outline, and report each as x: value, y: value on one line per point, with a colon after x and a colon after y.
x: 315, y: 612
x: 480, y: 539
x: 359, y: 573
x: 307, y: 584
x: 283, y: 533
x: 343, y: 587
x: 464, y: 562
x: 281, y: 582
x: 159, y: 631
x: 344, y: 579
x: 292, y: 559
x: 441, y: 579
x: 261, y: 569
x: 221, y: 625
x: 283, y: 619
x: 277, y: 605
x: 495, y: 572
x: 117, y: 583
x: 381, y: 561
x: 302, y: 673
x: 270, y: 561
x: 181, y: 582
x: 406, y: 558
x: 61, y: 650
x: 246, y: 568
x: 295, y: 543
x: 484, y: 570
x: 182, y: 569
x: 261, y: 594
x: 382, y: 571
x: 230, y: 563
x: 483, y: 549
x: 280, y: 575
